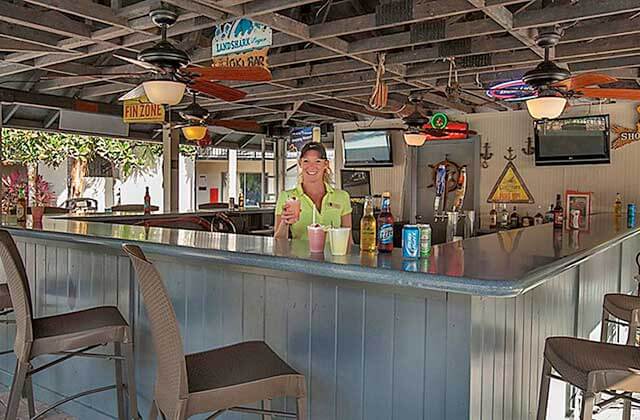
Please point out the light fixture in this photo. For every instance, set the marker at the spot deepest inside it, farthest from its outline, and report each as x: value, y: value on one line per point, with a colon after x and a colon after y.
x: 414, y: 138
x: 164, y: 92
x: 194, y: 132
x: 546, y: 106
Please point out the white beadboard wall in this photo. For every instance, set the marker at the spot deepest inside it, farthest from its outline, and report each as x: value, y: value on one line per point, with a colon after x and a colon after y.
x: 506, y: 129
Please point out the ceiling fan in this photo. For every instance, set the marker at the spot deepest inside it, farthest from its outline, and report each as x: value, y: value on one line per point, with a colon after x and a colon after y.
x: 169, y: 68
x: 197, y: 119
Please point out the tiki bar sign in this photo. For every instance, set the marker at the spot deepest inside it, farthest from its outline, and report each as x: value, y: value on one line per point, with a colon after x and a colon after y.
x: 625, y: 135
x: 140, y: 110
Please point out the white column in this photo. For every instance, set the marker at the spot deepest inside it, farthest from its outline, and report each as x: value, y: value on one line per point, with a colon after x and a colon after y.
x: 170, y: 181
x: 233, y: 174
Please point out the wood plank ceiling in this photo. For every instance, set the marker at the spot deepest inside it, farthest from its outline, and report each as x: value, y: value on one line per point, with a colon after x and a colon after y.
x: 323, y: 55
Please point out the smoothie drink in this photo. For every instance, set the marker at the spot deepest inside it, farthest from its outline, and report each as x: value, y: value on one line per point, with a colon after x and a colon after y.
x: 339, y: 240
x: 316, y: 236
x: 293, y: 204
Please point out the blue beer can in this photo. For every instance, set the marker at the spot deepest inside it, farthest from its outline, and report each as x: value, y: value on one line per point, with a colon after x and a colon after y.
x: 631, y: 215
x: 411, y: 241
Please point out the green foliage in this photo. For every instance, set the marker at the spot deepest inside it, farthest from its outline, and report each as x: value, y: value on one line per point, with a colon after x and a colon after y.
x: 30, y: 147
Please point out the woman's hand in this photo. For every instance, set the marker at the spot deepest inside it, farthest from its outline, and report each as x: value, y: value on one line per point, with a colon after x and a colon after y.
x: 289, y: 215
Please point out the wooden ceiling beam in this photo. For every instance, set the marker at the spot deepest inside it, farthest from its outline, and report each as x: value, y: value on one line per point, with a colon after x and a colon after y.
x: 51, y: 21
x: 86, y: 9
x: 584, y: 9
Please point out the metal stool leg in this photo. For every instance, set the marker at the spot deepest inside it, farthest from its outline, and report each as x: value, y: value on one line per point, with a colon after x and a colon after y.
x: 301, y: 408
x: 130, y: 366
x: 586, y: 413
x: 626, y: 410
x: 634, y: 323
x: 16, y: 390
x: 604, y: 330
x: 119, y: 384
x: 543, y: 397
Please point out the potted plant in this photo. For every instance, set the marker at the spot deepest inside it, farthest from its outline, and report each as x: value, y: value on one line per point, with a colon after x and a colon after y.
x: 12, y: 184
x: 43, y: 195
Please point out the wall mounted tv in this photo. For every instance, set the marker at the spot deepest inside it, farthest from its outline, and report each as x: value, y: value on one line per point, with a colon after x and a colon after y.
x: 573, y: 141
x: 365, y: 148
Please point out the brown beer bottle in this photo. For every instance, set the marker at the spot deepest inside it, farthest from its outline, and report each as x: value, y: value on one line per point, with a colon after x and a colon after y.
x: 385, y: 225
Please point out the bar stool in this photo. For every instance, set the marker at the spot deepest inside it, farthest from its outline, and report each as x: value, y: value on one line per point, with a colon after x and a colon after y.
x: 70, y: 334
x: 595, y: 368
x: 626, y: 310
x: 213, y: 381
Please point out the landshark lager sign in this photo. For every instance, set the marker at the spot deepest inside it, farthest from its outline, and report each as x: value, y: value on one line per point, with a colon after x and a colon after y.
x: 241, y: 42
x: 625, y: 135
x: 140, y: 110
x: 510, y: 188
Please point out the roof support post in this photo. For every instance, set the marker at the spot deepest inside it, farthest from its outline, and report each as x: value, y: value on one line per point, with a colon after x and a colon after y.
x: 170, y: 190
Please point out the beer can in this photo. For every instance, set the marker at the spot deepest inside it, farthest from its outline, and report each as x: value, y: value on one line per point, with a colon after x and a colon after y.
x: 631, y: 208
x: 631, y: 215
x: 425, y: 240
x: 410, y: 241
x: 574, y: 219
x: 410, y: 265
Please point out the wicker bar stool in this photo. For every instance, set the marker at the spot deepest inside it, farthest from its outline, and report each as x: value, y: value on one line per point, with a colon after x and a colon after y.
x: 70, y: 334
x: 213, y: 381
x: 625, y: 309
x: 594, y: 367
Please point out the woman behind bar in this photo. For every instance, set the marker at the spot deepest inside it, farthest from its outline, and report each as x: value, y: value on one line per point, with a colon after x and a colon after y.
x: 314, y: 189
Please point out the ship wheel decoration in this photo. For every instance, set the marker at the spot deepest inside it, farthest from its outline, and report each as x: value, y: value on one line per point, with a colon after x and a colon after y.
x: 453, y: 172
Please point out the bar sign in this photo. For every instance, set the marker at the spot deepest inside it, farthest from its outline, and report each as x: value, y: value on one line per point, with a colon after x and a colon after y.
x: 141, y: 110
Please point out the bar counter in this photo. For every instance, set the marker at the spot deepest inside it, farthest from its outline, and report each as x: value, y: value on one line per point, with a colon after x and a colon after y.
x: 456, y: 336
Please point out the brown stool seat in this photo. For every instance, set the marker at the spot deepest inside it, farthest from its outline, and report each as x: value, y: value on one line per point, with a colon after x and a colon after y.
x: 574, y: 359
x: 620, y: 305
x: 77, y: 329
x: 240, y: 363
x: 5, y: 297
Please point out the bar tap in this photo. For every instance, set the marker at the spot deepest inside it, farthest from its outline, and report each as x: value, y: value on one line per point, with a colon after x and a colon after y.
x: 441, y: 190
x: 452, y: 217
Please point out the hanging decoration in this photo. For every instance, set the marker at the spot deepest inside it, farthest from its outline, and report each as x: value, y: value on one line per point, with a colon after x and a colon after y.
x: 625, y: 135
x: 380, y: 96
x: 529, y: 150
x: 241, y: 43
x: 485, y: 155
x: 510, y: 187
x: 141, y: 110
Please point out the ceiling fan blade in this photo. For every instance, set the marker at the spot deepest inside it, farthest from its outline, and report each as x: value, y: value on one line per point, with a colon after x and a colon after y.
x: 240, y: 125
x: 217, y: 90
x: 134, y: 93
x: 584, y: 80
x: 138, y: 63
x: 630, y: 94
x: 96, y: 76
x: 247, y: 74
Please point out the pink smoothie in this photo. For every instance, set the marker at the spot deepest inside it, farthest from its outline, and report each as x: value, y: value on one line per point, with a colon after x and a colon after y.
x: 293, y: 204
x: 316, y: 236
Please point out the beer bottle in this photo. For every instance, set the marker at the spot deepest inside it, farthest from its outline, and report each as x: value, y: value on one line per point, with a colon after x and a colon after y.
x: 147, y: 201
x: 21, y: 207
x: 385, y: 225
x: 617, y: 206
x: 538, y: 219
x: 368, y: 227
x: 493, y: 217
x: 558, y: 213
x: 514, y: 219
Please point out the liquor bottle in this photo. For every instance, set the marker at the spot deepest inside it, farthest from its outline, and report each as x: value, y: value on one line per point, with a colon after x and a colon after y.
x: 504, y: 217
x: 514, y: 219
x: 368, y: 227
x: 617, y: 205
x: 527, y: 220
x: 558, y: 213
x: 493, y: 217
x: 538, y: 219
x: 385, y: 225
x: 147, y: 201
x: 241, y: 201
x: 21, y: 207
x: 548, y: 216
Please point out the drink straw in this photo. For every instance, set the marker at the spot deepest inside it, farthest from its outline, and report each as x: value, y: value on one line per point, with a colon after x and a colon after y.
x: 314, y: 215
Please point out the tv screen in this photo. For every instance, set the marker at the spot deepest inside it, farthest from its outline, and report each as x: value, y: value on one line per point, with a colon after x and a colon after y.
x: 356, y: 183
x: 573, y: 141
x: 367, y: 148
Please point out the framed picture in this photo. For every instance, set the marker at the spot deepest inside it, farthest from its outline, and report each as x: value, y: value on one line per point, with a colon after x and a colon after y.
x: 576, y: 200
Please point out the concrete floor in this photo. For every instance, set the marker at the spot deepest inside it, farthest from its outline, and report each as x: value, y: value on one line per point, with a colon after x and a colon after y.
x: 23, y: 413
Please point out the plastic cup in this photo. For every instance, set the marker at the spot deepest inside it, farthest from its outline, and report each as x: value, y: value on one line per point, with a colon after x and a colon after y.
x: 339, y: 240
x: 293, y: 204
x: 316, y: 236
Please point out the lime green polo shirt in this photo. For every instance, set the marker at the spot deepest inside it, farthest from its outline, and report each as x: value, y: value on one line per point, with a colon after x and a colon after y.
x: 335, y: 204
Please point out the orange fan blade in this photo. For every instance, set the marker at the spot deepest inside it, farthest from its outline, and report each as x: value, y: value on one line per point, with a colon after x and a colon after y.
x: 584, y: 80
x: 246, y: 74
x: 240, y: 125
x: 630, y: 94
x: 217, y: 90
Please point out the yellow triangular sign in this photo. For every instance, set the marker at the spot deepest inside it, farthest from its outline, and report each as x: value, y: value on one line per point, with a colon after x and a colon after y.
x: 510, y: 188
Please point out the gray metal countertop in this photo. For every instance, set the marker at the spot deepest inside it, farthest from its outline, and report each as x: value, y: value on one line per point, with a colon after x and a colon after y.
x: 502, y: 264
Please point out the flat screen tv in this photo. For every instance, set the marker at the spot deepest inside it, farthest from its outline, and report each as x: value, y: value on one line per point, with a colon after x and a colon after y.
x: 364, y: 148
x: 573, y: 141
